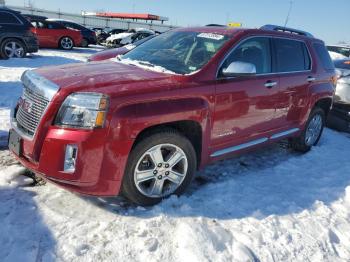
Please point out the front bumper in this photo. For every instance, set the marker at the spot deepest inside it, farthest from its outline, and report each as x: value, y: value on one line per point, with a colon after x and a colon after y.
x: 97, y: 172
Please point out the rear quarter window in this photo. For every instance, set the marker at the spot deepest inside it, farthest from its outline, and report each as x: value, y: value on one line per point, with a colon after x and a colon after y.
x: 323, y: 56
x: 291, y: 55
x: 8, y: 18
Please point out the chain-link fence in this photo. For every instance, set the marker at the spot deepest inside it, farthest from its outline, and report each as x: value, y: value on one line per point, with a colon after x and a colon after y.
x: 92, y: 21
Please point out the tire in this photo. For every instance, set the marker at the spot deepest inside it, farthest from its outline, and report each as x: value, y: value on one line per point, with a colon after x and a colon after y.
x: 84, y: 43
x: 12, y: 48
x: 158, y: 182
x: 66, y: 43
x: 312, y: 133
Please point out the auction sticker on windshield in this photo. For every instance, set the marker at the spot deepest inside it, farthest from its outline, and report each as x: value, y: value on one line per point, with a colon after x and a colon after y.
x: 211, y: 36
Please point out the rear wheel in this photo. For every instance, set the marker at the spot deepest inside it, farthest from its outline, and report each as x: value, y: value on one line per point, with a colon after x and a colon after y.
x: 66, y: 43
x: 160, y: 165
x: 12, y: 48
x: 312, y: 132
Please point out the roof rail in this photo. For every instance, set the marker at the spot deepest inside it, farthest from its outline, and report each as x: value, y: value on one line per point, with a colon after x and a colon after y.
x: 286, y: 29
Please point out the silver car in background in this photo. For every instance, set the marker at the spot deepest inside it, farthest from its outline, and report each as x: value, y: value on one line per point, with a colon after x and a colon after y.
x: 342, y: 94
x: 340, y: 49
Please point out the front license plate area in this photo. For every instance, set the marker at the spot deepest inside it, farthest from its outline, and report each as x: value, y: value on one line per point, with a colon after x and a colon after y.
x: 15, y: 142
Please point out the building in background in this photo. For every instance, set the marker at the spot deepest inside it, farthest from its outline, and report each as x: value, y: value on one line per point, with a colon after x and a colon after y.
x: 2, y: 2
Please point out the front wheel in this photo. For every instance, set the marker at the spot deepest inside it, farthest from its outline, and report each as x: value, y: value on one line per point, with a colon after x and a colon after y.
x: 66, y: 43
x: 312, y: 132
x: 160, y: 165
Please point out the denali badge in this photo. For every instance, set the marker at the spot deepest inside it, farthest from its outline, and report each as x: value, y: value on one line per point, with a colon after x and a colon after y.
x: 25, y: 104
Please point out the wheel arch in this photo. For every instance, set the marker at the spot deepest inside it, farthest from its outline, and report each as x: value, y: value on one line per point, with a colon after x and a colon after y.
x: 325, y: 104
x: 13, y: 37
x: 189, y: 117
x: 190, y: 129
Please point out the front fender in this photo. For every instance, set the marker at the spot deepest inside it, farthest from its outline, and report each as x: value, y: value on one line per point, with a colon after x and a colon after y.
x: 132, y: 119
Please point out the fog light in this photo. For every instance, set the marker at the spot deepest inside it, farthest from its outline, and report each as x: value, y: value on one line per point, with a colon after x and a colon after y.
x: 70, y: 158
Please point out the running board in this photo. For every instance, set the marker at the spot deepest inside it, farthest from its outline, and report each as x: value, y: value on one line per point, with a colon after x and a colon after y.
x: 253, y: 143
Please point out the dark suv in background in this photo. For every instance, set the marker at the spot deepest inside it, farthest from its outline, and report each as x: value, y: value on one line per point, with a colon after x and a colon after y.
x: 16, y: 38
x: 89, y: 36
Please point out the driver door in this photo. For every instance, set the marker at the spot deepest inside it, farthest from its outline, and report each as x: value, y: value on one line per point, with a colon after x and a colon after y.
x: 244, y: 106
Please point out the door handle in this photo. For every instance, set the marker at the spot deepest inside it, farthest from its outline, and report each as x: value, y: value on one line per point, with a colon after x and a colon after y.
x: 270, y: 84
x: 311, y: 79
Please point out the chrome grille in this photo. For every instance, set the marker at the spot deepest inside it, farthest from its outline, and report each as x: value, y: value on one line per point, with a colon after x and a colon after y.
x: 28, y: 120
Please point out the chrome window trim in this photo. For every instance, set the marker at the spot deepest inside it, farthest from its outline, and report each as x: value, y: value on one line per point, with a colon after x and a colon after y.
x: 265, y: 74
x: 20, y: 22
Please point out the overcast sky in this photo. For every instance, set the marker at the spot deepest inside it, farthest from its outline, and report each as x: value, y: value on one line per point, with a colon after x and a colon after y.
x: 326, y: 19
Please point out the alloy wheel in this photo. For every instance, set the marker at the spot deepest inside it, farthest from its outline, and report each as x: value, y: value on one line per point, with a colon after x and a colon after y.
x: 13, y: 49
x: 160, y: 170
x: 314, y: 130
x: 66, y: 43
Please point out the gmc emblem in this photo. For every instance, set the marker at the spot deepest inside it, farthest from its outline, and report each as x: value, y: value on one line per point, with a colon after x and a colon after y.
x: 25, y: 104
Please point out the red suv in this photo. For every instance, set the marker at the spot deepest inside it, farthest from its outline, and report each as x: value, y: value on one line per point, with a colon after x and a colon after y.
x: 143, y: 124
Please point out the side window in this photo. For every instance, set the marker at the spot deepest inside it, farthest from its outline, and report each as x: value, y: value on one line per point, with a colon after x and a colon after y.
x: 323, y: 55
x: 41, y: 25
x: 291, y: 55
x: 54, y: 26
x: 8, y: 18
x: 255, y: 51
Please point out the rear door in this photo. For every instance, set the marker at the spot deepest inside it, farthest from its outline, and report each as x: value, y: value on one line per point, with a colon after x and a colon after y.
x: 293, y: 65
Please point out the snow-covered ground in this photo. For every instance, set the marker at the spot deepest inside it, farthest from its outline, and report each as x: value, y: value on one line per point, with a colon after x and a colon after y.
x: 271, y: 205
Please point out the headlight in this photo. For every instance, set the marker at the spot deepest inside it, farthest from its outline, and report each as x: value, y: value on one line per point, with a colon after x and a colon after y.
x: 83, y: 110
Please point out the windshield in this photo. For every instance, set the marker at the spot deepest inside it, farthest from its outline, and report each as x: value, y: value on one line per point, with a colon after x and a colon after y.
x: 178, y: 52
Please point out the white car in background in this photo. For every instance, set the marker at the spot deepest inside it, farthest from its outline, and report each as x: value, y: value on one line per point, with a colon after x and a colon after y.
x: 340, y: 49
x: 128, y: 37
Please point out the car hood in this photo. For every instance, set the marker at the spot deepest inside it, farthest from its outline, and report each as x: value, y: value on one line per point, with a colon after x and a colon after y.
x: 109, y: 77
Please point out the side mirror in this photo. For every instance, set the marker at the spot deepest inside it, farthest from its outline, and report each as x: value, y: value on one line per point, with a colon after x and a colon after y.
x: 239, y: 68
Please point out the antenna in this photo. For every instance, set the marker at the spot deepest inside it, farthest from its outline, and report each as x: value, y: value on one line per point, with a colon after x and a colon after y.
x: 289, y: 11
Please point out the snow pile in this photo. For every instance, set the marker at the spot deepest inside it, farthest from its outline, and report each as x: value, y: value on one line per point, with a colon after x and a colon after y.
x: 270, y: 205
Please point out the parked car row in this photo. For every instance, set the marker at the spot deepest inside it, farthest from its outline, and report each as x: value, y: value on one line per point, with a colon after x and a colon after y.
x: 25, y: 33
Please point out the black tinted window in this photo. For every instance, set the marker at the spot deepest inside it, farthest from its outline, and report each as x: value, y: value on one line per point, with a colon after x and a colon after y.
x: 54, y: 26
x: 8, y: 18
x: 72, y: 25
x: 291, y: 56
x: 255, y: 51
x: 323, y: 55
